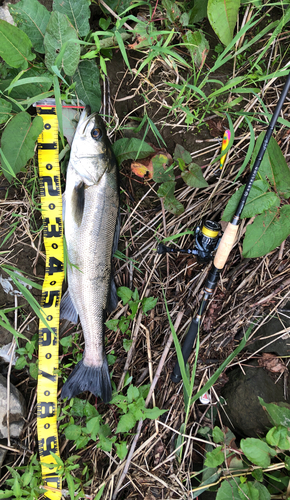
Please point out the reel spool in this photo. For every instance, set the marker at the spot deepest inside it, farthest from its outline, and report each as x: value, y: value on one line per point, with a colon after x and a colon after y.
x: 206, y: 242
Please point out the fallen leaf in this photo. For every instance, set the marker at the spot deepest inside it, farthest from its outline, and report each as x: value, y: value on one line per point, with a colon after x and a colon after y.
x: 155, y: 163
x: 272, y: 363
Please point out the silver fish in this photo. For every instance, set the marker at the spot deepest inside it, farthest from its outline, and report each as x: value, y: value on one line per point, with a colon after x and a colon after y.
x: 91, y: 226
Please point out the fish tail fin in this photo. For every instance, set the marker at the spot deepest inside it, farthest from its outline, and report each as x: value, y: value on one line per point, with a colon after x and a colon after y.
x: 89, y: 378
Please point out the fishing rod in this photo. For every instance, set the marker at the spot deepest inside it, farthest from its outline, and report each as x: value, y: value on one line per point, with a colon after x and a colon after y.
x: 227, y: 240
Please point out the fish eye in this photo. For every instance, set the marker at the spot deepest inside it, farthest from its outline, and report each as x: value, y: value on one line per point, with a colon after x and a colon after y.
x: 96, y: 133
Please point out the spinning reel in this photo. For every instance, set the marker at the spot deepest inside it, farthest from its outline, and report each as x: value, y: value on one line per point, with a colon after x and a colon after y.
x: 206, y: 242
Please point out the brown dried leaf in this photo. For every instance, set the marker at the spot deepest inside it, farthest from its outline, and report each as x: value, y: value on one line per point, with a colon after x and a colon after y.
x: 272, y: 363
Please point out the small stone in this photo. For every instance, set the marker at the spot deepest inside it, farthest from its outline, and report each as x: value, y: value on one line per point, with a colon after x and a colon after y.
x: 17, y: 410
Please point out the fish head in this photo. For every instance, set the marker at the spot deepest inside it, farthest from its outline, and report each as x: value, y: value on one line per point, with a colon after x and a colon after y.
x: 91, y: 151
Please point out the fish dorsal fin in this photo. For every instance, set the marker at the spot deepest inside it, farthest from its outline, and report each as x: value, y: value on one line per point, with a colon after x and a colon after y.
x: 78, y: 202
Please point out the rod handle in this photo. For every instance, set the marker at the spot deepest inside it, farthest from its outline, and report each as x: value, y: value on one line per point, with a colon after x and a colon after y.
x: 186, y: 349
x: 225, y: 246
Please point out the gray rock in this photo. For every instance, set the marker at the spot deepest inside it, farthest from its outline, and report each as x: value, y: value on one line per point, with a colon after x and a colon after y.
x: 17, y: 410
x: 3, y: 453
x: 241, y: 392
x: 265, y: 334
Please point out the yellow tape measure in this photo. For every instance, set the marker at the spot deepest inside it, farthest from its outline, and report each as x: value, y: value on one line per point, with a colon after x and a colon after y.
x: 51, y: 205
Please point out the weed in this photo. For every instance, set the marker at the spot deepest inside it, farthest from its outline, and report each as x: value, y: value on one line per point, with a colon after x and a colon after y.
x: 253, y: 463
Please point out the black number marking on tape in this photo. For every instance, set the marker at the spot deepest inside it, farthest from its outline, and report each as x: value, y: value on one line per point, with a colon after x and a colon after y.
x: 47, y: 145
x: 46, y: 111
x: 45, y: 337
x: 50, y: 377
x: 47, y: 445
x: 54, y: 266
x: 48, y: 297
x: 48, y: 181
x: 53, y: 232
x: 45, y: 410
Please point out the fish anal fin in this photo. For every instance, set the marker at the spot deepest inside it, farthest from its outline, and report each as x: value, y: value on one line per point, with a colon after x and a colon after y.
x: 113, y: 300
x: 67, y: 309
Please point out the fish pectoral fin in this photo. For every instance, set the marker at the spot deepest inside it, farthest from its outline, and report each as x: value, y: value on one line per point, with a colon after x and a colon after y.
x: 67, y: 309
x: 78, y: 202
x: 113, y: 300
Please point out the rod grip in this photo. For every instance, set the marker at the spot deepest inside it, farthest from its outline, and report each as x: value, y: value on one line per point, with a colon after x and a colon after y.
x: 225, y: 246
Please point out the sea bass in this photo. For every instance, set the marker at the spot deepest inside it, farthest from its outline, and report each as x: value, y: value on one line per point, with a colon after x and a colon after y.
x: 91, y: 226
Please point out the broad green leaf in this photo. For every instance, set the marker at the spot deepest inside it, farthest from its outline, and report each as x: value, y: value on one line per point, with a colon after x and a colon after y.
x: 215, y: 457
x: 193, y: 176
x: 229, y: 490
x: 258, y: 475
x: 73, y: 432
x: 197, y: 45
x: 32, y: 82
x: 132, y: 393
x: 287, y: 462
x: 90, y: 411
x: 279, y: 436
x: 15, y: 46
x: 18, y: 141
x: 61, y: 40
x: 87, y: 80
x: 166, y: 191
x: 267, y: 232
x: 77, y: 409
x: 33, y: 370
x: 258, y: 201
x: 180, y: 152
x: 5, y: 110
x: 279, y: 415
x: 106, y: 443
x: 248, y: 491
x: 125, y: 149
x: 161, y: 172
x: 148, y: 303
x: 121, y: 449
x: 172, y: 10
x: 94, y: 427
x: 126, y: 423
x: 153, y: 413
x: 264, y: 493
x: 32, y: 18
x: 257, y: 451
x: 77, y: 12
x: 222, y: 15
x: 218, y: 435
x: 273, y: 166
x: 198, y: 12
x: 112, y: 324
x: 127, y: 344
x: 125, y: 294
x: 20, y: 363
